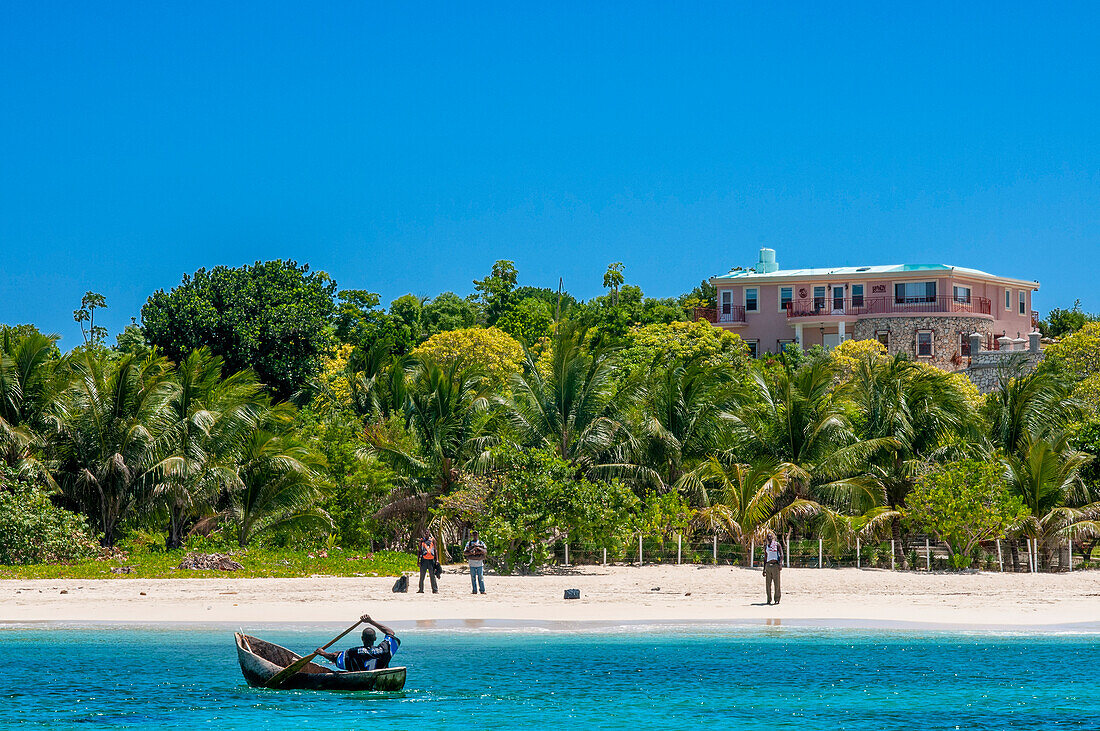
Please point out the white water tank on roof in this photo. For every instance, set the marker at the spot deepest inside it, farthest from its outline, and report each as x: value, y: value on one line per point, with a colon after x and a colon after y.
x: 767, y: 263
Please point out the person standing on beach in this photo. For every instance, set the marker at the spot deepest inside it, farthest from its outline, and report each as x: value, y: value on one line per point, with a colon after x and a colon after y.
x: 773, y: 564
x: 428, y: 558
x: 475, y: 553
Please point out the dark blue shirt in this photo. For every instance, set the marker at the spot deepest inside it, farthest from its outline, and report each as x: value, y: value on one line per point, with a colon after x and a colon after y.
x: 369, y: 658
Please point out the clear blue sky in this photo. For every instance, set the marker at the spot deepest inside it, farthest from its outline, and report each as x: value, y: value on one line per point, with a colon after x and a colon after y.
x: 405, y: 148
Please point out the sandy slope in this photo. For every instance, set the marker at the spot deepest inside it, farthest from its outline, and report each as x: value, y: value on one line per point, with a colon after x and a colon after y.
x: 616, y: 594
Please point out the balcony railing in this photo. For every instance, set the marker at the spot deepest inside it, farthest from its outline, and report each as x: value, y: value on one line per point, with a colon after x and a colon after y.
x: 856, y: 306
x: 729, y: 313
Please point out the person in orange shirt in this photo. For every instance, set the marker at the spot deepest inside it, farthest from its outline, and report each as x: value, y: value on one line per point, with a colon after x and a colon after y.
x: 428, y: 558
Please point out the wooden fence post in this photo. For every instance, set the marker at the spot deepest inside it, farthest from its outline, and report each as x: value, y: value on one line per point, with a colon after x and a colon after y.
x: 787, y: 553
x: 605, y: 557
x: 679, y: 547
x: 1071, y: 554
x: 891, y: 554
x: 752, y: 553
x: 819, y: 553
x: 927, y: 554
x: 640, y: 562
x: 567, y: 553
x: 857, y: 553
x: 1000, y: 558
x: 715, y: 549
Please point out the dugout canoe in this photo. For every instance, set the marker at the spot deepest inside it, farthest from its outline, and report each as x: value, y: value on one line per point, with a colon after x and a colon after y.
x: 260, y: 660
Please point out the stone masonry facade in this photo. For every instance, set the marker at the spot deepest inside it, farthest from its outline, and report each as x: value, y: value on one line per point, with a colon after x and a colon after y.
x: 947, y: 336
x: 987, y: 367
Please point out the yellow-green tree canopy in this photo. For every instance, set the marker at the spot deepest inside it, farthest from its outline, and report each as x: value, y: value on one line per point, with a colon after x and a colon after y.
x: 683, y: 341
x: 848, y: 355
x: 1078, y: 356
x: 490, y: 349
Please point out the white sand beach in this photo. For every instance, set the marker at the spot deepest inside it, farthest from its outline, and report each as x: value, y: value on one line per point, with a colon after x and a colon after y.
x: 608, y: 594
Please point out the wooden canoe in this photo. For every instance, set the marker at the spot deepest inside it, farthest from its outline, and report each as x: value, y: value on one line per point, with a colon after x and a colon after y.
x: 260, y: 661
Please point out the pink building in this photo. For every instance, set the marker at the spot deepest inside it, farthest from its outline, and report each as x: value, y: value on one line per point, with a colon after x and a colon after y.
x: 928, y: 311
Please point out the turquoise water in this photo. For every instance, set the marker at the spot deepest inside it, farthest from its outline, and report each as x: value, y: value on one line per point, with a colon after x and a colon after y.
x: 739, y: 677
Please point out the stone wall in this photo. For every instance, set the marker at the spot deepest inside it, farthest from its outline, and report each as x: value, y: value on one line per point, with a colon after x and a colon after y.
x: 946, y: 336
x: 986, y: 367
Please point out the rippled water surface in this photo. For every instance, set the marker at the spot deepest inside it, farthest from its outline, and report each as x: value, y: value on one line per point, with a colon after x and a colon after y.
x: 735, y: 677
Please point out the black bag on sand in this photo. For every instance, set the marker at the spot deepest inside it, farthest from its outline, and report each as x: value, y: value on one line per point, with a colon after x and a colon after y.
x: 572, y: 593
x: 437, y: 570
x: 401, y: 585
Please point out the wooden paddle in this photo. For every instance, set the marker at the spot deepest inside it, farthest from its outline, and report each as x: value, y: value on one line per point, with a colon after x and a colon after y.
x: 278, y: 678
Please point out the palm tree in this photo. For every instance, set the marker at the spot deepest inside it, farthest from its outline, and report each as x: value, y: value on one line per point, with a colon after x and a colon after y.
x: 206, y: 414
x: 1046, y: 474
x: 113, y: 414
x: 747, y: 499
x: 797, y: 419
x: 276, y: 480
x: 922, y: 410
x: 32, y: 378
x: 680, y: 418
x: 575, y: 408
x: 1027, y: 407
x: 447, y: 412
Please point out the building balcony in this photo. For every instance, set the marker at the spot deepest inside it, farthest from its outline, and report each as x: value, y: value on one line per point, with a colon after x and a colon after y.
x: 826, y: 307
x: 726, y: 314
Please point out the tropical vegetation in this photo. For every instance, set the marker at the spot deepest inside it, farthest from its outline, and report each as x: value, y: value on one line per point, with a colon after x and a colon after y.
x: 262, y: 409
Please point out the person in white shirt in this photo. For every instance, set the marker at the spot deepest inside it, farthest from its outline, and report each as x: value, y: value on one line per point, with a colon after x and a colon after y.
x: 475, y: 553
x: 773, y: 564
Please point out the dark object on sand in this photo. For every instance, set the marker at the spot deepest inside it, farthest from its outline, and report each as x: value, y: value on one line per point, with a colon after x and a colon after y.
x: 401, y: 585
x: 260, y: 661
x: 209, y: 562
x: 122, y: 569
x: 572, y: 593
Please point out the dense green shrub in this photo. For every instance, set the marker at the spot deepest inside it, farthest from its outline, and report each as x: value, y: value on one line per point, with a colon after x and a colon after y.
x: 34, y: 530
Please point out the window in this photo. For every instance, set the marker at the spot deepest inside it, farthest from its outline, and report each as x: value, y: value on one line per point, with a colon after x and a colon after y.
x: 786, y: 295
x: 924, y: 343
x: 1008, y: 299
x: 750, y: 299
x: 883, y: 336
x: 964, y: 344
x: 781, y: 345
x: 819, y: 298
x: 857, y: 295
x: 1023, y: 302
x: 909, y: 292
x: 754, y: 348
x: 962, y: 294
x: 727, y: 302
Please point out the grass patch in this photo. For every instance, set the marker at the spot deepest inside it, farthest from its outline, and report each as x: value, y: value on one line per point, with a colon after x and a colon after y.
x: 258, y: 562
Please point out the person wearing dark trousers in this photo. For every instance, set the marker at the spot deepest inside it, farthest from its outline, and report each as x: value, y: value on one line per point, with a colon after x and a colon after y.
x: 773, y: 565
x: 428, y: 557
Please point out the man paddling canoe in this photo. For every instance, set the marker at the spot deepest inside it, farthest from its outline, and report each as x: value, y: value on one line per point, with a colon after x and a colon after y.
x: 369, y: 656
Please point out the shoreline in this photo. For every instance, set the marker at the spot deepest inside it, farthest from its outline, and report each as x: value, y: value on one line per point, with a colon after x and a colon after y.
x: 611, y: 596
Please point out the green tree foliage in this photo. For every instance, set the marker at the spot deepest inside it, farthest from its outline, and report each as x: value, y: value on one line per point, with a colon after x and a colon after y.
x: 354, y: 483
x: 273, y: 318
x: 34, y: 530
x: 1060, y: 322
x: 489, y: 351
x: 409, y: 311
x: 131, y: 341
x: 448, y: 311
x: 535, y: 500
x: 202, y: 424
x: 496, y: 291
x: 609, y: 321
x: 106, y: 443
x: 552, y: 299
x: 528, y: 321
x: 275, y: 480
x: 573, y: 408
x: 1077, y: 358
x: 31, y: 380
x: 85, y: 317
x: 682, y: 341
x: 705, y: 295
x: 964, y: 503
x: 613, y: 278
